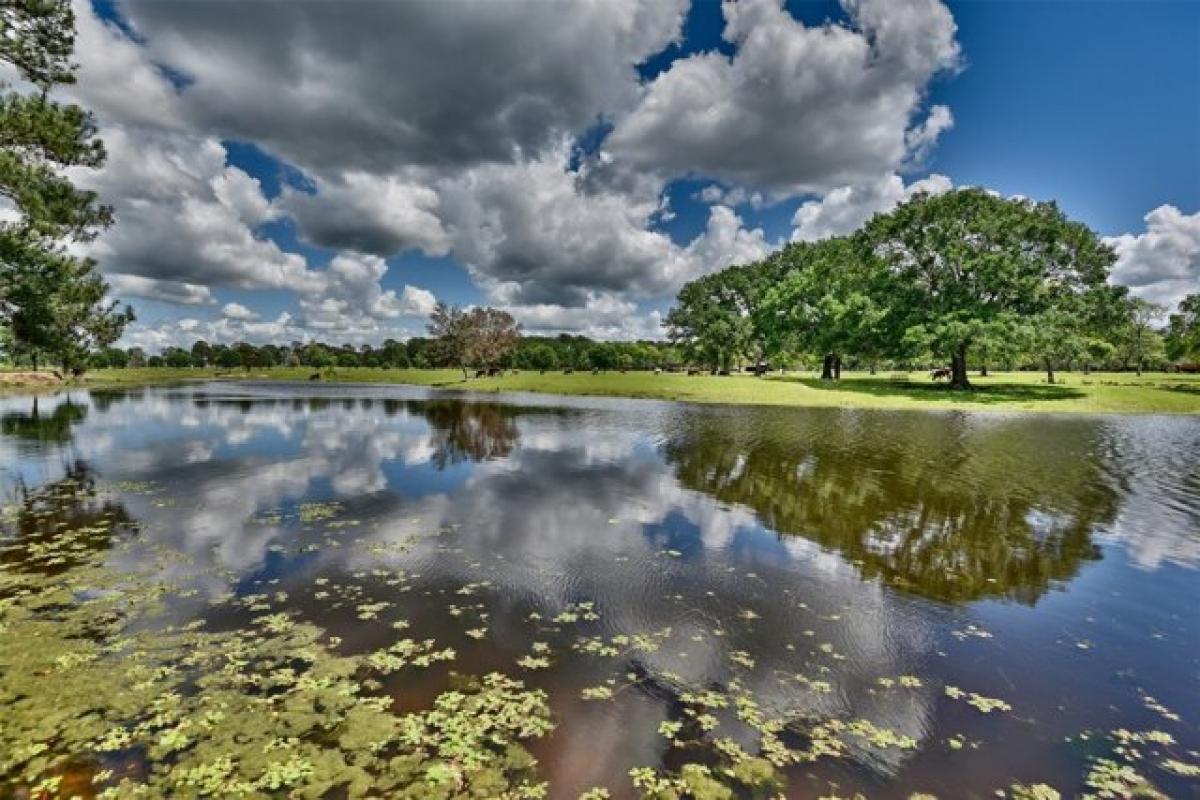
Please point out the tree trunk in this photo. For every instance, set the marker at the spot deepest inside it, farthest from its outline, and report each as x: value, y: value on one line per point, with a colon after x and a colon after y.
x: 1049, y: 372
x: 983, y: 373
x: 1139, y: 368
x: 958, y: 369
x: 837, y: 368
x: 464, y: 369
x: 33, y: 359
x: 827, y: 367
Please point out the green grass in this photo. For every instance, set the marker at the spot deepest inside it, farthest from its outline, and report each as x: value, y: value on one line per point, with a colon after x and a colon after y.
x: 1010, y: 391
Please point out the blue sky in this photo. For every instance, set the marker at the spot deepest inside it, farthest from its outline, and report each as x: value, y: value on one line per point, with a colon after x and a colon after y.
x: 581, y: 193
x: 1096, y: 105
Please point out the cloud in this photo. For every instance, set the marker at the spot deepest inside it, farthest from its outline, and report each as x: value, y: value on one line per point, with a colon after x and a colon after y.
x: 184, y: 216
x: 796, y: 108
x: 724, y: 242
x: 381, y: 215
x: 352, y: 302
x: 1163, y: 263
x: 116, y: 80
x: 846, y: 208
x: 332, y: 87
x: 238, y: 311
x: 530, y: 234
x: 921, y: 139
x: 185, y: 294
x: 735, y: 196
x: 283, y: 329
x: 602, y: 316
x: 243, y: 195
x: 539, y: 233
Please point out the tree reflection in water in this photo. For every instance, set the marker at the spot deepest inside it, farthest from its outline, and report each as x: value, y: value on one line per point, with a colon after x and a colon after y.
x: 52, y: 427
x: 981, y: 507
x: 469, y: 431
x: 32, y: 519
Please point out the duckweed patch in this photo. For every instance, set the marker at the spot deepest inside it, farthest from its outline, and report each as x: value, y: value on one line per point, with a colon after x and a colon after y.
x: 144, y: 707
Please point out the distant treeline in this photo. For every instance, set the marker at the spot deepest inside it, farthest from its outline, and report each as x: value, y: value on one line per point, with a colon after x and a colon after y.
x: 531, y: 352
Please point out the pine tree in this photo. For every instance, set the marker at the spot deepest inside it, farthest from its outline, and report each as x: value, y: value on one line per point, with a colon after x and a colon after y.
x: 51, y: 302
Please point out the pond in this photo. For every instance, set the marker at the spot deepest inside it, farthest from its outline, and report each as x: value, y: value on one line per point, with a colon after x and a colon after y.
x: 275, y: 589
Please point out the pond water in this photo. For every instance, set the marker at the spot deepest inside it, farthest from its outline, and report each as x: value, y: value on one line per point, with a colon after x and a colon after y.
x: 233, y: 586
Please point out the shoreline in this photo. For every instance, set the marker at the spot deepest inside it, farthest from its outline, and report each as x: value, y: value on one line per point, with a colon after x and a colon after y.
x: 1023, y: 392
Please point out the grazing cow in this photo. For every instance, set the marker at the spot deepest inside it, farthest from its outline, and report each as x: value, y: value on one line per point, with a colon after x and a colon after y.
x: 939, y: 373
x: 494, y: 371
x: 316, y: 376
x: 658, y: 370
x: 693, y: 371
x: 480, y: 373
x: 568, y: 370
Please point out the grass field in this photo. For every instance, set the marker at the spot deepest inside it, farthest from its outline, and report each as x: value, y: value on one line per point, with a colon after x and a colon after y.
x: 1010, y: 391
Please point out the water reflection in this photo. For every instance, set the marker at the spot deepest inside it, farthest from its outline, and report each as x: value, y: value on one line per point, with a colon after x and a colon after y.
x: 954, y: 508
x: 38, y: 426
x: 778, y: 533
x: 35, y: 517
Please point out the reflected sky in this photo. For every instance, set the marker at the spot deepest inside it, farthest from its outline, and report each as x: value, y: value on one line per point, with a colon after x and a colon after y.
x: 841, y: 546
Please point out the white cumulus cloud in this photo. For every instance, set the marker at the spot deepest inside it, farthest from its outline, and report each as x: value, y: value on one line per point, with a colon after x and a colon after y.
x: 798, y: 109
x: 1161, y: 264
x: 845, y: 209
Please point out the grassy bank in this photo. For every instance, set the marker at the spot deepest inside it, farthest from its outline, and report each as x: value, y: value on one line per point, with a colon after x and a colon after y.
x: 1011, y: 391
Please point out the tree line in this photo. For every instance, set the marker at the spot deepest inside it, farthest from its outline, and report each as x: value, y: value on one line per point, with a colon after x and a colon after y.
x: 564, y: 352
x: 964, y: 279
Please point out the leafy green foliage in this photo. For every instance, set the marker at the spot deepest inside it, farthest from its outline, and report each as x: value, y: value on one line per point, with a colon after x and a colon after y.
x: 481, y: 336
x: 50, y: 301
x: 939, y: 278
x: 1183, y: 330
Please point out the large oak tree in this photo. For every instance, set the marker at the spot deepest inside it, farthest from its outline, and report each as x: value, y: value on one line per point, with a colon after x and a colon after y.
x: 959, y: 264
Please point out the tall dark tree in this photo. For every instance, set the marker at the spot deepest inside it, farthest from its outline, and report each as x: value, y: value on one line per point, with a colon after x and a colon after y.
x: 451, y: 327
x: 50, y: 301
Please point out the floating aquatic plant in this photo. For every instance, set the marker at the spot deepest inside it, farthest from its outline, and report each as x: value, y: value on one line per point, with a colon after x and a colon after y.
x: 985, y: 705
x: 146, y: 708
x: 1033, y: 791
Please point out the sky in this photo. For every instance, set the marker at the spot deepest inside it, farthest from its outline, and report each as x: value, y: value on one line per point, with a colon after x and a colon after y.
x: 329, y: 170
